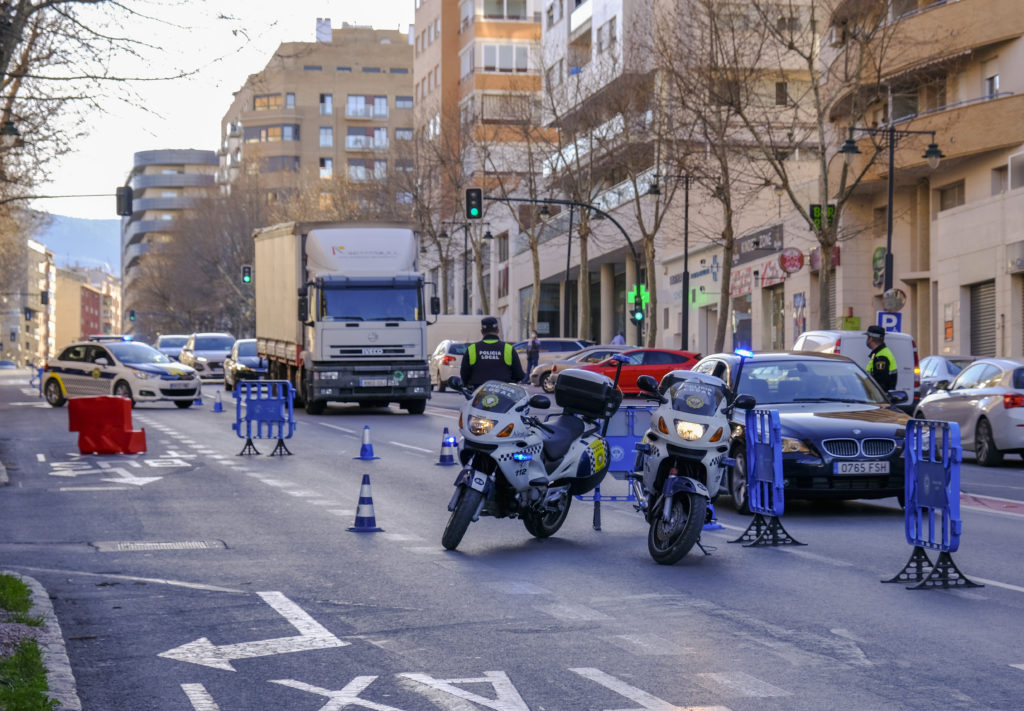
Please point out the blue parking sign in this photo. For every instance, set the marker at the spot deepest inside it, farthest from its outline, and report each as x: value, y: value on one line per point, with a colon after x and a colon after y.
x: 890, y: 321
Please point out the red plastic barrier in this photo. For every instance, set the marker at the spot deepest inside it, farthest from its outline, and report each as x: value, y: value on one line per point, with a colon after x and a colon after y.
x: 104, y: 425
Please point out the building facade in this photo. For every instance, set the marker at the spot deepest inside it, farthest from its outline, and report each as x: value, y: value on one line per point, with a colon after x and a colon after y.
x: 28, y: 314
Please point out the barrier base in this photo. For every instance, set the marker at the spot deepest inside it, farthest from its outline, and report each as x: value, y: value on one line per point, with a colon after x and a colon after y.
x: 280, y: 448
x: 916, y: 569
x: 249, y: 448
x: 944, y: 573
x: 766, y: 532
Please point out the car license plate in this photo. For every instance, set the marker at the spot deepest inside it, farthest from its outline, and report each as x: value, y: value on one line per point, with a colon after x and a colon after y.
x: 874, y: 467
x: 180, y: 386
x: 374, y: 382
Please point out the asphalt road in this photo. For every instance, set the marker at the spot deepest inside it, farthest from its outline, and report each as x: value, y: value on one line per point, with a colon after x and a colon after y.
x: 190, y: 577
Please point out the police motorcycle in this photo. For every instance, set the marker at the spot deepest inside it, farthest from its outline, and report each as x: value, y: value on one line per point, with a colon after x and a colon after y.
x: 515, y: 465
x: 682, y: 458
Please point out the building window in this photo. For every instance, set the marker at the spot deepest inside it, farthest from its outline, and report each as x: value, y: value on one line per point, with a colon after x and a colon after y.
x: 290, y: 132
x: 555, y: 73
x: 326, y: 168
x: 466, y: 63
x: 505, y: 9
x: 380, y: 107
x: 554, y: 13
x: 403, y: 102
x: 356, y: 169
x: 403, y: 134
x: 371, y: 70
x: 313, y: 68
x: 506, y: 58
x: 326, y: 137
x: 358, y: 138
x: 1000, y: 180
x: 1017, y: 171
x: 781, y: 93
x: 399, y: 70
x: 951, y: 196
x: 326, y: 104
x: 345, y: 69
x: 267, y: 102
x: 289, y: 100
x: 465, y: 14
x: 279, y: 164
x: 404, y: 165
x: 270, y: 134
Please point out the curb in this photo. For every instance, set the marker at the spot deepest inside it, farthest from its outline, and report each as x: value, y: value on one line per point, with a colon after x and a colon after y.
x: 59, y: 677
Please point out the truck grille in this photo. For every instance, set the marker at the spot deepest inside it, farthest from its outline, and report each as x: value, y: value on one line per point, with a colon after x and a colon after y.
x: 371, y: 352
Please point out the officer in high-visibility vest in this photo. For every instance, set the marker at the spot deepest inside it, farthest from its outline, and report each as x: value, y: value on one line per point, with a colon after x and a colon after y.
x: 490, y: 358
x: 881, y: 362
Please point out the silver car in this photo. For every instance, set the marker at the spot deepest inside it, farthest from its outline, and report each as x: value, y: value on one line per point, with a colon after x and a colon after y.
x: 170, y: 344
x: 445, y: 362
x: 987, y: 400
x: 206, y: 353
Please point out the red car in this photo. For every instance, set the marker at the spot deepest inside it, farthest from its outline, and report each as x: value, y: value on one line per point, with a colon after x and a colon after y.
x: 644, y: 361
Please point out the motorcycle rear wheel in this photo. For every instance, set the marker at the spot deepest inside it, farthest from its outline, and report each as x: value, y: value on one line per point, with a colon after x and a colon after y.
x: 546, y: 524
x: 461, y: 517
x: 669, y: 542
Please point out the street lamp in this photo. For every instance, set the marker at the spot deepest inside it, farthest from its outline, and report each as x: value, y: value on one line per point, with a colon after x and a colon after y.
x: 655, y: 190
x: 892, y: 136
x: 465, y: 255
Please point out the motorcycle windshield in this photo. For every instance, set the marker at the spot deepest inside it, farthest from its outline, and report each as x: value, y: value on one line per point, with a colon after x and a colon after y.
x: 695, y: 397
x: 498, y: 397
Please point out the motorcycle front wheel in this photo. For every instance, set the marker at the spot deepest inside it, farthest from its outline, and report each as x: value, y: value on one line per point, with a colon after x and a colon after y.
x: 669, y: 541
x: 542, y: 525
x: 461, y: 517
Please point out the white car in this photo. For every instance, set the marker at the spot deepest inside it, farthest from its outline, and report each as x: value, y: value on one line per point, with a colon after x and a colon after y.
x: 129, y: 369
x: 206, y: 353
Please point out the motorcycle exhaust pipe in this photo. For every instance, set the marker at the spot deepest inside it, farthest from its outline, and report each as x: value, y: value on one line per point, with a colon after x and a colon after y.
x: 637, y: 490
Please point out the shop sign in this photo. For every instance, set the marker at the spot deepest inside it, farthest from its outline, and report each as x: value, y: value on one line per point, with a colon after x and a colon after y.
x: 791, y: 260
x: 757, y: 245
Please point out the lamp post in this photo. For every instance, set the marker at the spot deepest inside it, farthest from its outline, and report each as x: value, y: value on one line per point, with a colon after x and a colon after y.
x: 593, y: 209
x: 655, y: 190
x: 891, y: 136
x: 465, y: 256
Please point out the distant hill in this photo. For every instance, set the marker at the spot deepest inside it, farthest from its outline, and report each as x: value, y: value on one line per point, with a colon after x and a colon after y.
x: 87, y: 243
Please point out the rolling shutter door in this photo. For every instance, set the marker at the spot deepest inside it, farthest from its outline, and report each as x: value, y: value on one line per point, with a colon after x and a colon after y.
x: 830, y: 307
x: 983, y: 319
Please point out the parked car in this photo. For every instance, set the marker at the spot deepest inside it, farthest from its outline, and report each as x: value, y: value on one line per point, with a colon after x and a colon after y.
x: 655, y: 362
x: 206, y: 353
x: 552, y: 349
x: 8, y: 365
x: 941, y: 368
x: 445, y: 361
x: 841, y: 436
x: 545, y: 374
x: 853, y: 344
x: 243, y: 363
x: 987, y: 400
x: 128, y: 369
x: 170, y: 344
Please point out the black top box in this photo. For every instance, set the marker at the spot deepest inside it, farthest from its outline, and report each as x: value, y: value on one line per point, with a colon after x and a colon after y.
x: 586, y: 393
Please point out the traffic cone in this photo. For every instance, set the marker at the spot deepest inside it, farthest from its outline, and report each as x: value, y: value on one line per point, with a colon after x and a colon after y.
x: 366, y: 522
x: 713, y: 524
x: 217, y: 406
x: 449, y: 445
x: 366, y: 451
x: 198, y: 402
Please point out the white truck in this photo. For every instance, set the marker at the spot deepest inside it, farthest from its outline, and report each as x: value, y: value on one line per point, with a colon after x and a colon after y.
x: 340, y: 312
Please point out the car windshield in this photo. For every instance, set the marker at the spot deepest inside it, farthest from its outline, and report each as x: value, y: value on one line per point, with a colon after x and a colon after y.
x: 137, y: 353
x: 171, y: 341
x: 247, y: 348
x: 458, y: 348
x: 785, y: 381
x: 958, y: 364
x: 214, y: 343
x: 497, y: 397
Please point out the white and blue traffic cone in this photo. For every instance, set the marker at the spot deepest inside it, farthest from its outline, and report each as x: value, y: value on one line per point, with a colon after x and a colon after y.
x: 449, y: 446
x: 217, y: 406
x: 713, y: 524
x: 198, y: 402
x: 366, y: 522
x: 366, y: 451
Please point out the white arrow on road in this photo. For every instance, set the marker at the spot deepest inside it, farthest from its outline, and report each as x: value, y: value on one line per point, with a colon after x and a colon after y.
x: 312, y: 635
x: 126, y: 477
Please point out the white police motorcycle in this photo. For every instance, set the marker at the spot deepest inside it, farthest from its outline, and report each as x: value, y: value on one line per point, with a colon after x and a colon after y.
x: 682, y: 459
x: 514, y: 465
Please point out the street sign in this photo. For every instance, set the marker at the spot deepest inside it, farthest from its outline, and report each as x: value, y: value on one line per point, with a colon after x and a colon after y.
x: 891, y: 322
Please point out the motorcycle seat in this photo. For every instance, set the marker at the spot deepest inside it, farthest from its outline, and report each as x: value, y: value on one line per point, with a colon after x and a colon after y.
x: 566, y: 430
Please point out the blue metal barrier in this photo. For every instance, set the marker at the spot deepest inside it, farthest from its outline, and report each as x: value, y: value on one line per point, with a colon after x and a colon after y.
x: 625, y: 429
x: 931, y: 491
x: 263, y: 410
x: 766, y: 494
x: 36, y: 381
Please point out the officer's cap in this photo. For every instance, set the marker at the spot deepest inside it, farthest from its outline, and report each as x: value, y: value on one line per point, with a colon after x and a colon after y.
x: 875, y: 332
x: 488, y: 323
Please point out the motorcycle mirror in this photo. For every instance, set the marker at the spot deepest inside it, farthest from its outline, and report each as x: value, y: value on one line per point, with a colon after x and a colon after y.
x: 540, y: 402
x: 455, y: 382
x: 745, y: 402
x: 897, y: 396
x: 647, y: 383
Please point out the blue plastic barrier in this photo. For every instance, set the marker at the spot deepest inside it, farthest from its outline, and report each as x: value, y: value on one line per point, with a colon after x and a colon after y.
x: 263, y: 410
x: 931, y: 490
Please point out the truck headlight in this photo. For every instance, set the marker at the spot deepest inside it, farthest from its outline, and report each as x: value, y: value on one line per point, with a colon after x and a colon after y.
x: 690, y: 430
x: 480, y: 425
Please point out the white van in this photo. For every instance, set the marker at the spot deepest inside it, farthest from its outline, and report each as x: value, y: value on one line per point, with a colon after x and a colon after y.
x: 853, y: 345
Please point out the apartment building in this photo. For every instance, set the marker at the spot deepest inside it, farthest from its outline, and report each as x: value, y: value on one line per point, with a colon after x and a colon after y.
x: 78, y: 311
x: 338, y: 109
x: 27, y: 315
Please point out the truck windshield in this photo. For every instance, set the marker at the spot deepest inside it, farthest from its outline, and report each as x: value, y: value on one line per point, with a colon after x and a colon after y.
x: 370, y: 304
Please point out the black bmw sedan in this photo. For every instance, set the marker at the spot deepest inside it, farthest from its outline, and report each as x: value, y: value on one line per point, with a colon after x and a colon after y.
x: 842, y: 438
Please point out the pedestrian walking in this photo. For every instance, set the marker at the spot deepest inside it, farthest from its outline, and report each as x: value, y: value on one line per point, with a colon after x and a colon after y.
x: 618, y: 340
x: 532, y: 355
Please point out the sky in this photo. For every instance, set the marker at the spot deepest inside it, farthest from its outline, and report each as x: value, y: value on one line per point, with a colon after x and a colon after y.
x: 186, y: 113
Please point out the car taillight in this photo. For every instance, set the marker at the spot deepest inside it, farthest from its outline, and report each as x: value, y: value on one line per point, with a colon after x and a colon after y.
x: 1013, y: 400
x: 447, y: 360
x: 917, y: 372
x: 554, y: 368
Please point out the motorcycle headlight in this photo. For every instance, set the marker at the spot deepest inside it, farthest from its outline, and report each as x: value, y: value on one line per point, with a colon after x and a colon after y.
x: 480, y: 425
x: 690, y: 430
x: 794, y: 445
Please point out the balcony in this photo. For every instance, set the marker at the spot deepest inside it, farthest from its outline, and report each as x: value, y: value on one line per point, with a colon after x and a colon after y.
x: 366, y: 112
x: 365, y: 143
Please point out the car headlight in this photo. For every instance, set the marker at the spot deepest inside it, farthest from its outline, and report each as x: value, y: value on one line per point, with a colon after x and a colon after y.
x: 200, y: 359
x: 690, y: 430
x: 141, y: 375
x: 794, y: 445
x: 480, y: 425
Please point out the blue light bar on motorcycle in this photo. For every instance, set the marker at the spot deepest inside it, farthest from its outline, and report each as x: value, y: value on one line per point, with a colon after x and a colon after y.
x: 743, y: 353
x: 450, y: 441
x: 522, y: 456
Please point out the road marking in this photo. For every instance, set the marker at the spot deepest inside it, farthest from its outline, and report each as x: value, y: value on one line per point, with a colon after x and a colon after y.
x: 337, y: 427
x: 738, y: 684
x: 439, y: 412
x: 199, y: 697
x: 650, y: 644
x: 128, y: 478
x: 506, y: 696
x: 301, y: 493
x: 93, y: 488
x: 342, y: 512
x: 312, y: 636
x: 161, y: 581
x: 1018, y: 666
x: 565, y: 611
x: 997, y: 584
x: 647, y: 701
x: 992, y: 504
x: 409, y: 446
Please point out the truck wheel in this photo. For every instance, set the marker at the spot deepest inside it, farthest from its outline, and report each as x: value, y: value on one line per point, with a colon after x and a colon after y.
x: 415, y: 407
x: 315, y: 407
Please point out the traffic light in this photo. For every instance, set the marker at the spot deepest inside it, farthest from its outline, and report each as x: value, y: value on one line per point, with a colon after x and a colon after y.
x: 247, y: 274
x: 131, y: 314
x: 638, y: 315
x: 474, y: 203
x: 124, y: 201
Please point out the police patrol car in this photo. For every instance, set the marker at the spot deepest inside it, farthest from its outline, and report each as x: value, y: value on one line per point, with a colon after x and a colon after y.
x: 122, y: 368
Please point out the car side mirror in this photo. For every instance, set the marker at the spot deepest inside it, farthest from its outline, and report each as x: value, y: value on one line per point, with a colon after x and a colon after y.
x: 303, y: 308
x: 897, y: 396
x: 745, y: 402
x: 101, y: 361
x: 540, y: 402
x: 942, y: 385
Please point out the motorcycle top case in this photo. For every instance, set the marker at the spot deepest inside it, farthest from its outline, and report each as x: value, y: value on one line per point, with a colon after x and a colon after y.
x: 583, y: 392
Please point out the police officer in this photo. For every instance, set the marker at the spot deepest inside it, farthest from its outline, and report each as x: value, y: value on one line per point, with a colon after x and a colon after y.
x: 490, y: 358
x: 881, y: 362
